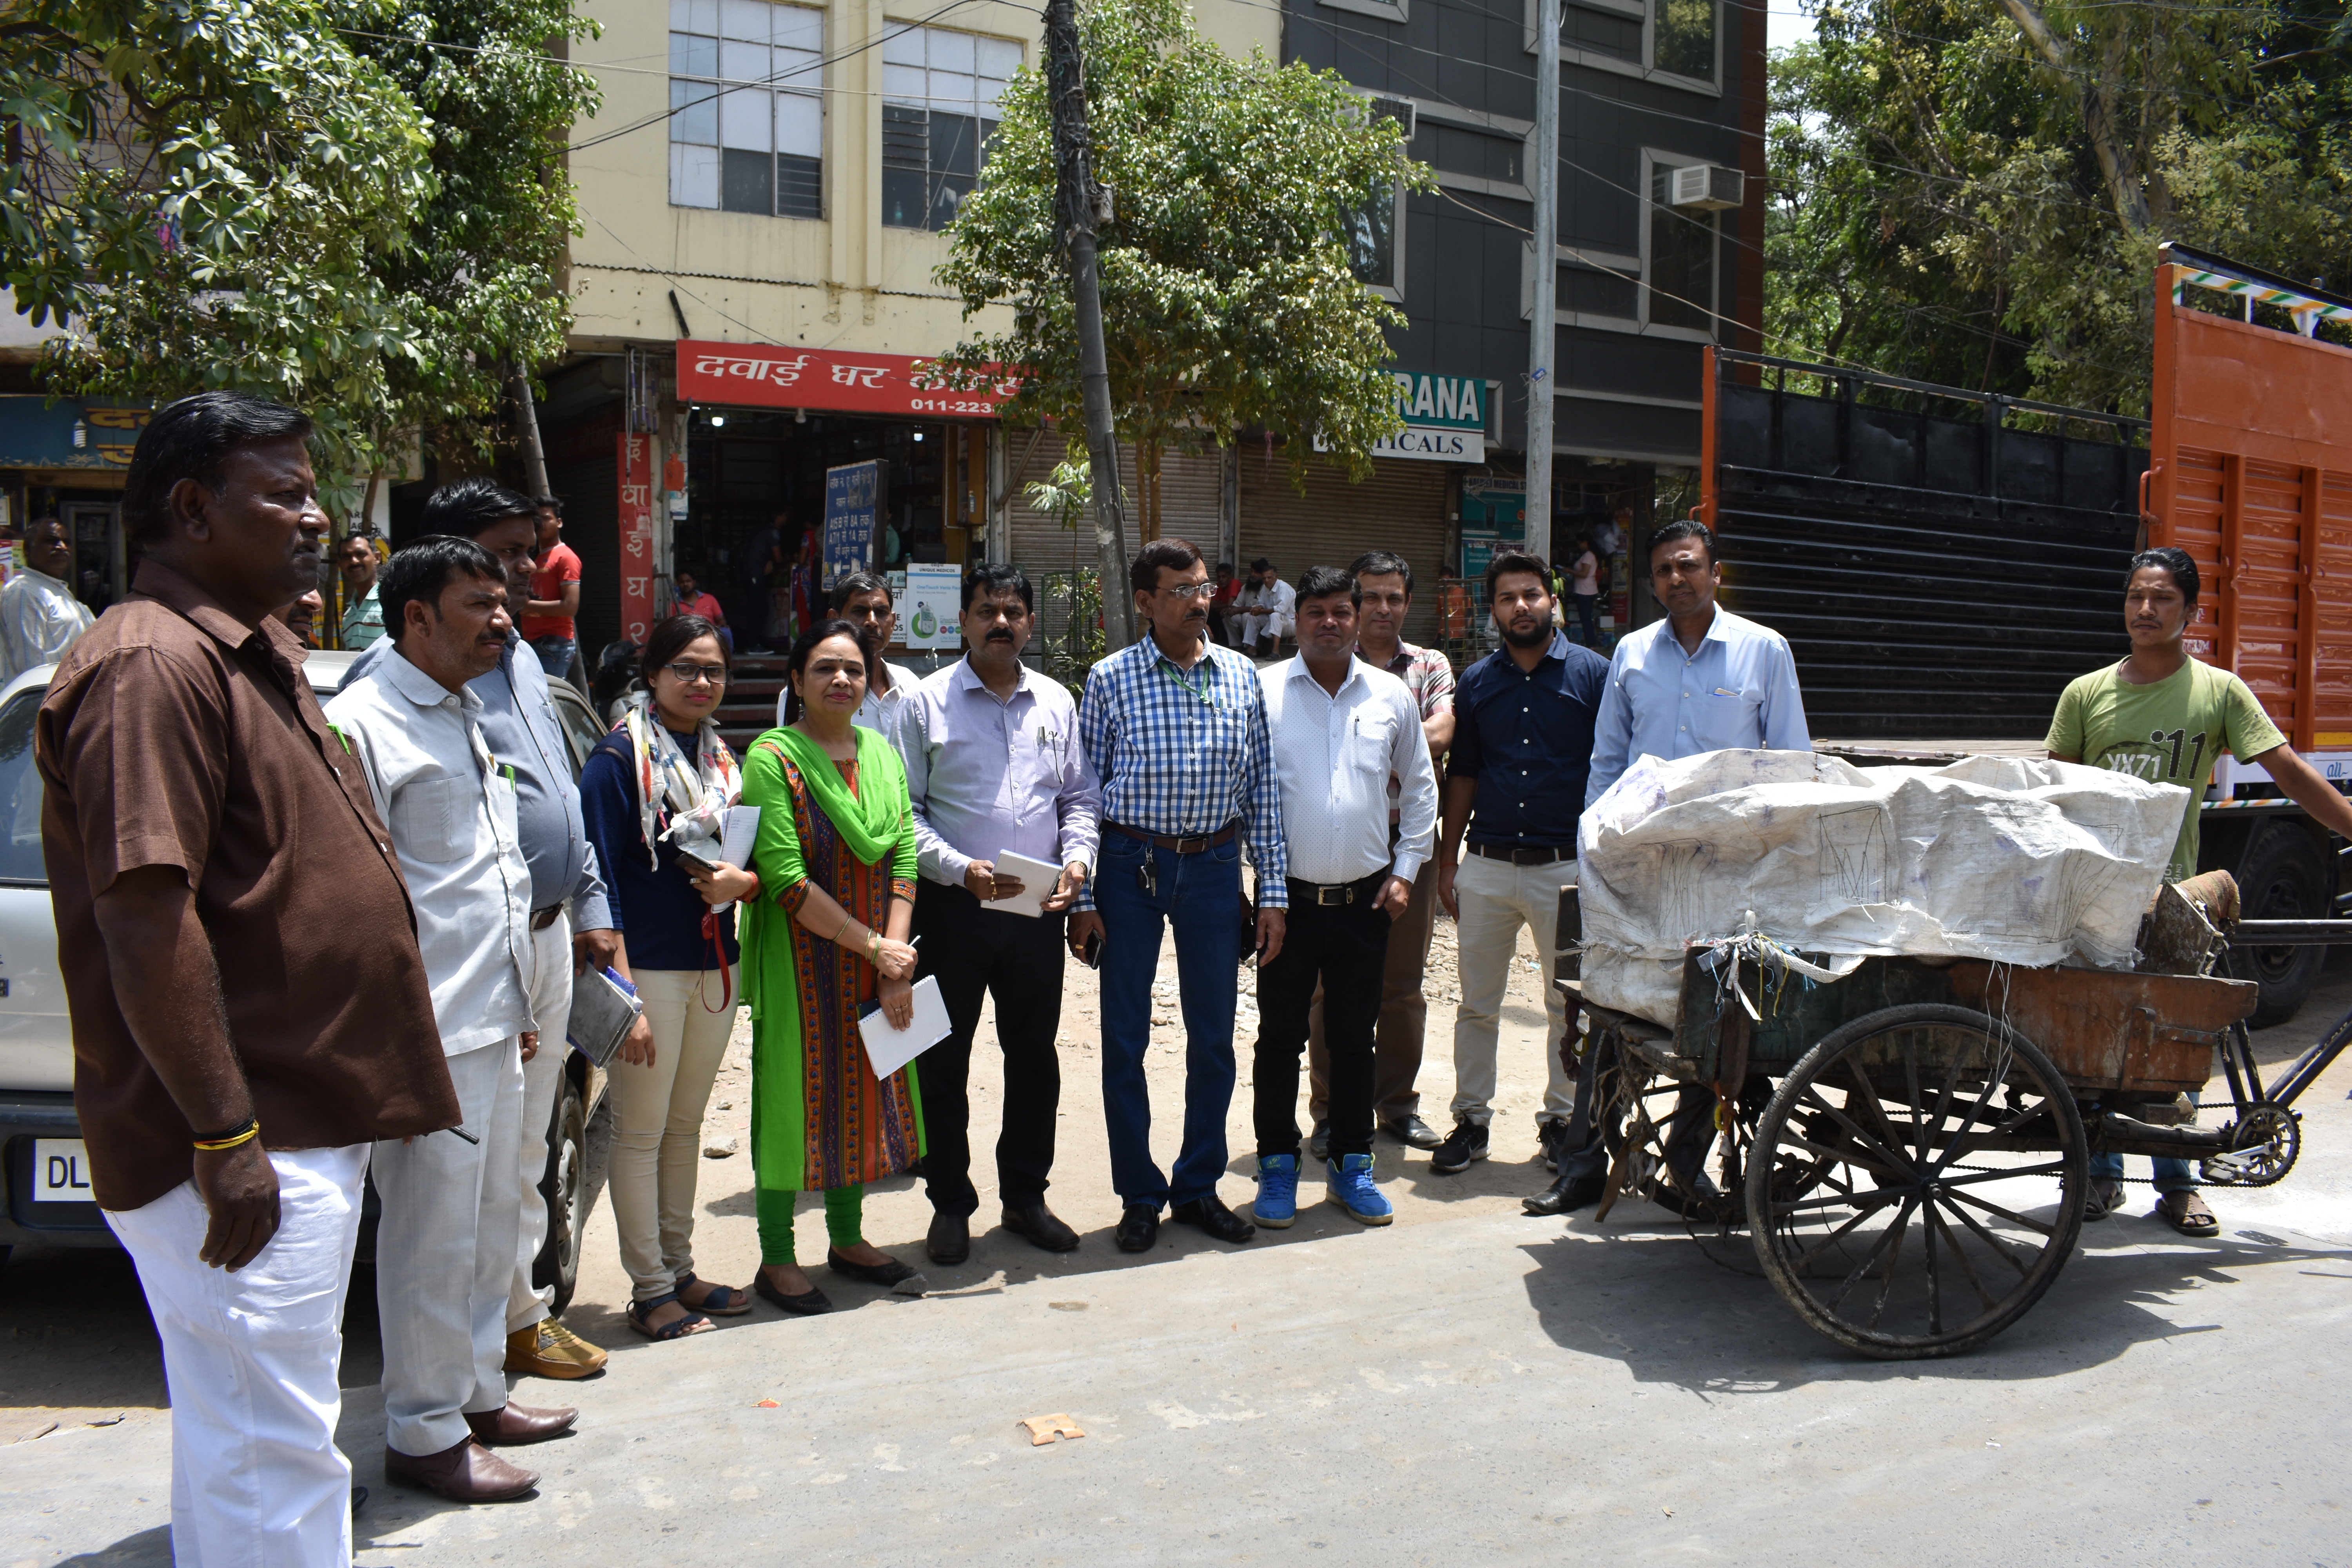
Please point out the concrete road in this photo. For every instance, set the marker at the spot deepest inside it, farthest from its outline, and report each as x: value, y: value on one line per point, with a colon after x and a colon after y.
x: 1467, y: 1386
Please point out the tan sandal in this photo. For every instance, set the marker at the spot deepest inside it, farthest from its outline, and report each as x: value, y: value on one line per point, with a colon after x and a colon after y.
x: 2187, y: 1213
x: 2106, y: 1198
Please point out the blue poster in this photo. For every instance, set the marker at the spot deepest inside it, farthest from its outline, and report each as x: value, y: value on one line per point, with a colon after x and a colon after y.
x: 850, y: 492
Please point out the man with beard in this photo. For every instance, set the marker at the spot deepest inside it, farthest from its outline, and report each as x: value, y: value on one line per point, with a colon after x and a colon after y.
x: 1703, y: 680
x: 993, y: 765
x: 1522, y: 743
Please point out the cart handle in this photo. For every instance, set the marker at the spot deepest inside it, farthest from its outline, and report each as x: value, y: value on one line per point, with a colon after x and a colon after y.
x: 2291, y: 933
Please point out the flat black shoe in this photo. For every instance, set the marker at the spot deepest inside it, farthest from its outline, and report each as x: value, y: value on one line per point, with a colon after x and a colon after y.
x: 890, y: 1274
x: 1209, y: 1213
x: 1566, y: 1195
x: 1040, y: 1226
x: 807, y: 1304
x: 358, y: 1500
x: 1138, y: 1227
x: 1411, y: 1131
x: 950, y: 1239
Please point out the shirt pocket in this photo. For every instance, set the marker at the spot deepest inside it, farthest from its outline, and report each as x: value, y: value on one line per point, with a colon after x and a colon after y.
x: 1371, y: 744
x: 433, y: 819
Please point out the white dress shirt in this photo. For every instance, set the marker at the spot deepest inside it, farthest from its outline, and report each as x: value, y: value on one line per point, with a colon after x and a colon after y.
x: 1271, y: 608
x: 988, y: 774
x: 39, y: 619
x: 1333, y: 756
x: 451, y: 808
x: 1739, y: 691
x: 879, y: 711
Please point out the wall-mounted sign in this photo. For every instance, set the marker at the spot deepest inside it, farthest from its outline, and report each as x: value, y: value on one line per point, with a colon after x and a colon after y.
x: 851, y: 492
x: 930, y: 610
x: 1445, y: 420
x: 636, y: 476
x: 38, y: 432
x: 761, y: 376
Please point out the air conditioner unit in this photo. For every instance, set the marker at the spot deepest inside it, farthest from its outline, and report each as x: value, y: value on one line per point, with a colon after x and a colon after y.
x: 1397, y: 109
x: 1709, y: 187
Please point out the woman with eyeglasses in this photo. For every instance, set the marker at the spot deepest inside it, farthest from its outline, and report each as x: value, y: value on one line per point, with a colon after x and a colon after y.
x: 825, y: 938
x: 661, y: 779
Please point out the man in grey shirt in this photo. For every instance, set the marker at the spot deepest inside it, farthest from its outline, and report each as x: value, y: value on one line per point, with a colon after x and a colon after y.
x: 517, y: 721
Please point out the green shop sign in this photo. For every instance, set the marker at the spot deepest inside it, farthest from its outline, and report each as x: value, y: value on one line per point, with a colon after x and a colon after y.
x: 1442, y: 402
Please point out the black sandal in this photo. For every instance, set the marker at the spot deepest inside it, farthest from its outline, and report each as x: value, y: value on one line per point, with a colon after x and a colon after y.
x: 724, y: 1300
x: 807, y: 1304
x: 889, y: 1273
x: 694, y: 1323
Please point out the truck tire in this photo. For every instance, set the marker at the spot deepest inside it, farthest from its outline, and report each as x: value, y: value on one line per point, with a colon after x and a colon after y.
x: 2283, y: 879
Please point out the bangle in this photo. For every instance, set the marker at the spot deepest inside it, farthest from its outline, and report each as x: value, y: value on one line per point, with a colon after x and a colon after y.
x: 839, y: 929
x: 873, y: 948
x: 244, y: 1132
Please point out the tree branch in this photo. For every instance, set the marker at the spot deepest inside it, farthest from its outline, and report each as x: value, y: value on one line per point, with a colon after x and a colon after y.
x: 2115, y: 166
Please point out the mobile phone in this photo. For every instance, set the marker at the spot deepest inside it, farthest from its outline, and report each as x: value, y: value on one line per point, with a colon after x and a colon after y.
x: 1091, y: 954
x: 699, y: 855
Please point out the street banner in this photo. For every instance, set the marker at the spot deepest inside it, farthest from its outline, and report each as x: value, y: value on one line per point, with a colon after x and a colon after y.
x: 637, y: 474
x: 850, y: 494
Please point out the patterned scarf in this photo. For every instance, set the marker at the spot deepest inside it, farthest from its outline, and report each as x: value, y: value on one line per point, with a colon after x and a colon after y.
x: 679, y: 800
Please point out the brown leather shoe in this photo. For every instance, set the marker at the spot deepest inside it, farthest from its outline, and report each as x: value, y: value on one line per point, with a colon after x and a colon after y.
x: 548, y: 1349
x: 466, y: 1472
x: 512, y: 1423
x: 949, y: 1241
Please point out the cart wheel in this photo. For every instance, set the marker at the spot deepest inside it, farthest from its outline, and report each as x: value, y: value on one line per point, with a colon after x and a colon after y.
x: 1898, y: 1194
x: 1634, y: 1132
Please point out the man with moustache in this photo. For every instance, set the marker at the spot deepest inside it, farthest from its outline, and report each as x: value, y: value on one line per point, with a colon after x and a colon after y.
x: 1175, y: 728
x: 994, y: 765
x: 571, y: 920
x: 1522, y: 743
x: 39, y: 617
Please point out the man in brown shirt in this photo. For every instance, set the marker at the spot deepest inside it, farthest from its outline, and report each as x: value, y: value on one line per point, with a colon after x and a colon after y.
x: 250, y: 1008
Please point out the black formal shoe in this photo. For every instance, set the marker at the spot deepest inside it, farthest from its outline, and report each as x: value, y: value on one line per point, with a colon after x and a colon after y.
x: 890, y: 1274
x: 1566, y: 1195
x: 1138, y: 1227
x: 1411, y: 1131
x: 1209, y: 1213
x: 358, y: 1500
x: 807, y: 1304
x: 1466, y: 1143
x: 1039, y: 1227
x: 1319, y: 1143
x: 951, y: 1238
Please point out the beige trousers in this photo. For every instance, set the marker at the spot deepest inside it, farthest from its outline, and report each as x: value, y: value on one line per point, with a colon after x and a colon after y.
x: 658, y: 1126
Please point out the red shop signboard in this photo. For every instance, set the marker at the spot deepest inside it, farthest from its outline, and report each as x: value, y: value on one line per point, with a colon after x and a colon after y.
x: 832, y: 381
x: 636, y: 476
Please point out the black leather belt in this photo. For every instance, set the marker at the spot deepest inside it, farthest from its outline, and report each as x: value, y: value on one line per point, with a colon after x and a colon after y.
x: 542, y: 919
x: 1531, y: 857
x: 1192, y: 846
x: 1365, y: 888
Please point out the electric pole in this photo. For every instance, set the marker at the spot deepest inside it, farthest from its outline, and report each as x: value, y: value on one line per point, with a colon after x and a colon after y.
x: 1080, y: 207
x: 1543, y: 327
x: 534, y: 455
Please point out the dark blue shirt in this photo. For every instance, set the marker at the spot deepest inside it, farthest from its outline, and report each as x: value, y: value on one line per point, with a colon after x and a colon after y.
x: 1527, y: 738
x: 657, y: 911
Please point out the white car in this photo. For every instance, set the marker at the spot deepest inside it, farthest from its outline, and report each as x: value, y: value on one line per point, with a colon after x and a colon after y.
x: 44, y: 1178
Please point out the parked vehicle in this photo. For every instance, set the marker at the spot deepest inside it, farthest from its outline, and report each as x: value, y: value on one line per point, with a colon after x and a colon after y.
x: 43, y: 1182
x: 1943, y: 562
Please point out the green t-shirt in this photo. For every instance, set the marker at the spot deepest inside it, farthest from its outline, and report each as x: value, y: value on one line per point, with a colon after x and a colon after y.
x: 2169, y: 733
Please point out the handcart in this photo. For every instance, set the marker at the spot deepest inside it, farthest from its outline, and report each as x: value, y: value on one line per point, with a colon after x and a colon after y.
x: 1909, y: 1145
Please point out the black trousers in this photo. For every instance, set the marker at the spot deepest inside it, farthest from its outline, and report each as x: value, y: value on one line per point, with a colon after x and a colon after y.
x: 976, y: 952
x: 1343, y: 947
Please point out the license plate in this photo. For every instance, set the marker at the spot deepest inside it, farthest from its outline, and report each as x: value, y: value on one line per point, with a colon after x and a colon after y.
x: 61, y: 1172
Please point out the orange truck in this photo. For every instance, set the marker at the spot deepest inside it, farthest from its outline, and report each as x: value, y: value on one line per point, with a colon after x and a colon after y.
x: 1943, y: 562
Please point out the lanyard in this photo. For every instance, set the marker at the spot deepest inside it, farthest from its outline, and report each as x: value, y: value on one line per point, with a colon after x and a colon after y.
x: 1169, y: 671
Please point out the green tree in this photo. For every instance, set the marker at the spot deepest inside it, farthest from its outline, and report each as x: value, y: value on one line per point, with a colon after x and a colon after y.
x: 1973, y: 190
x: 1228, y: 296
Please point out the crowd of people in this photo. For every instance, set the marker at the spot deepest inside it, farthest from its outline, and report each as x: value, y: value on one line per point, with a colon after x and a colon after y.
x: 256, y: 1031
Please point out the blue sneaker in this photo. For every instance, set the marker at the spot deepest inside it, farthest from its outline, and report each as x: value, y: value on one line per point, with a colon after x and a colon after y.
x: 1351, y: 1188
x: 1277, y: 1190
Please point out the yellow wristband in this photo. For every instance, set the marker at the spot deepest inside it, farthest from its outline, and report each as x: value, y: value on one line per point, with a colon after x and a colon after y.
x: 215, y: 1145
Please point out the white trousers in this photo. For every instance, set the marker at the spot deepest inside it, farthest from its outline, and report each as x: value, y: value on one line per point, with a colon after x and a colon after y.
x: 1270, y: 623
x: 1497, y: 898
x: 551, y: 1004
x: 444, y: 1254
x: 251, y: 1360
x: 658, y: 1126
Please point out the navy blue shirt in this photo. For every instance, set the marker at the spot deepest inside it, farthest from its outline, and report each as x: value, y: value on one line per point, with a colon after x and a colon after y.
x: 657, y: 911
x: 1526, y: 737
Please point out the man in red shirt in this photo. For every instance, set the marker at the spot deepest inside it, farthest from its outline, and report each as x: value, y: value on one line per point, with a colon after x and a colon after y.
x: 547, y: 623
x: 693, y: 601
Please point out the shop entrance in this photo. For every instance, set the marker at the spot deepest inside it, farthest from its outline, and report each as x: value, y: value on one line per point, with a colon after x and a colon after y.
x: 102, y: 561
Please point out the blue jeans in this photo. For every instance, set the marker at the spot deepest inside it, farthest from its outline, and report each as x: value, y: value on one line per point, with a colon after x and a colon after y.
x: 1587, y: 613
x: 555, y: 655
x: 2171, y: 1175
x: 1199, y: 896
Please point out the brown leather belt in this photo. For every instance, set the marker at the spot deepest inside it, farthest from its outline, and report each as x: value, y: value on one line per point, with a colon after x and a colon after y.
x: 1192, y: 846
x: 1530, y: 857
x: 542, y: 919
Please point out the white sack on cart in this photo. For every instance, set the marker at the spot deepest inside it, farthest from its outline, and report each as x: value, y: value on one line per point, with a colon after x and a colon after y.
x: 1996, y: 858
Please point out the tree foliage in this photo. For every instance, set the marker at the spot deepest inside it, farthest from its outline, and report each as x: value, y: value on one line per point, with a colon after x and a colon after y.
x: 1956, y: 200
x: 1228, y: 301
x: 298, y: 197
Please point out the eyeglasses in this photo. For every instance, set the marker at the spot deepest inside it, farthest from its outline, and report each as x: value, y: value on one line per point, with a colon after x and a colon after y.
x: 865, y: 612
x: 1190, y: 589
x: 689, y: 674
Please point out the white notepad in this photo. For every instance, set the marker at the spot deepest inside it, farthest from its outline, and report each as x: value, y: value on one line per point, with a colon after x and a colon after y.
x: 886, y: 1049
x: 1038, y: 881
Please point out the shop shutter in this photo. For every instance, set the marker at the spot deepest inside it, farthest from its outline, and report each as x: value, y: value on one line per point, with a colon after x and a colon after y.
x: 1402, y: 507
x: 1040, y: 545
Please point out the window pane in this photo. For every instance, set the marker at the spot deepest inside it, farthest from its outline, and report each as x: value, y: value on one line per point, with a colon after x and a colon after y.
x: 903, y: 46
x: 948, y: 192
x: 746, y: 120
x: 750, y: 183
x: 690, y: 56
x: 955, y: 144
x: 906, y: 139
x: 1682, y: 262
x: 800, y: 28
x: 696, y: 118
x: 1369, y: 231
x: 949, y: 51
x: 800, y: 124
x: 702, y: 16
x: 902, y: 197
x: 799, y: 186
x: 800, y: 69
x: 952, y: 92
x: 905, y: 84
x: 681, y: 16
x: 747, y: 19
x: 990, y: 92
x: 693, y: 176
x: 998, y: 58
x: 1685, y: 37
x: 744, y: 62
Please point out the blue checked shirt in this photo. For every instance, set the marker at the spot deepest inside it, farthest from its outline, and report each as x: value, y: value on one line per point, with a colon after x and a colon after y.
x: 1183, y: 752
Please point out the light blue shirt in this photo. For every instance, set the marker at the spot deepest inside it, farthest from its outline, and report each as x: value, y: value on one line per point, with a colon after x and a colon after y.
x: 1739, y: 691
